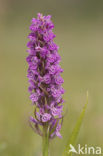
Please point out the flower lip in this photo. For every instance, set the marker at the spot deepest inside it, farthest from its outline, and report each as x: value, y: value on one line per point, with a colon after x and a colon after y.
x: 46, y: 117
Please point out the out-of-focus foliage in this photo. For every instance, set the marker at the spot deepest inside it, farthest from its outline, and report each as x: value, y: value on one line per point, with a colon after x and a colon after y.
x: 79, y: 31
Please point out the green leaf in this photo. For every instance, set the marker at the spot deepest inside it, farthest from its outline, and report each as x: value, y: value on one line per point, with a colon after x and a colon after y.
x: 73, y: 137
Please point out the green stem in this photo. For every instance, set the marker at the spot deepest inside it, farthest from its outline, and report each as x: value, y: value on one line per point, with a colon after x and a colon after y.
x: 45, y: 142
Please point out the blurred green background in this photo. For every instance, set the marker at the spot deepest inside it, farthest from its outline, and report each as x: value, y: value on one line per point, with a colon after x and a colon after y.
x: 79, y: 34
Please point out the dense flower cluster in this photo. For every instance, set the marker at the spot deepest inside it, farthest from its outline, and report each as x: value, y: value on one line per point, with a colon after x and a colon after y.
x: 44, y: 76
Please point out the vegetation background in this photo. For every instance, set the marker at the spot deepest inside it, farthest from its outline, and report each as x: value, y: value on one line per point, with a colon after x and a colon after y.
x: 79, y: 31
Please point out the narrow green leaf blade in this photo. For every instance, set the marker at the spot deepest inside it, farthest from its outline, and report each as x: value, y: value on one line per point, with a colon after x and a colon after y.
x: 73, y: 137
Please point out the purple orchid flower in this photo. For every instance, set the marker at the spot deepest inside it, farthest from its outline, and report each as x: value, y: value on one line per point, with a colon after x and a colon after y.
x: 44, y: 77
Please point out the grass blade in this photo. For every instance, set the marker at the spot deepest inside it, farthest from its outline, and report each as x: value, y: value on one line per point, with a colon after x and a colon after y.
x: 73, y: 137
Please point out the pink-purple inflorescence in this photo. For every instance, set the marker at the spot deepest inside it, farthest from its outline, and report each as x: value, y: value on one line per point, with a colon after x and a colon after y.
x: 44, y: 77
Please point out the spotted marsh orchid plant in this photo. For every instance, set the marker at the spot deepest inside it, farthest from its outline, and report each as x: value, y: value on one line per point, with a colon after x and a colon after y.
x: 45, y: 80
x: 45, y: 84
